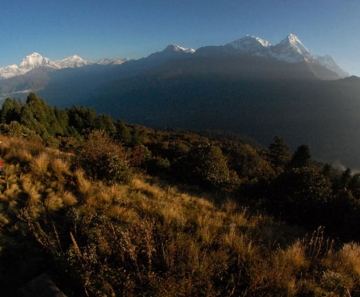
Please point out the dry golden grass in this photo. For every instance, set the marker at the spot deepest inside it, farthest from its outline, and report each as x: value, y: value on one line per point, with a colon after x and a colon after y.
x: 3, y: 220
x: 53, y: 202
x: 351, y: 254
x: 5, y: 144
x: 39, y: 164
x: 19, y: 149
x: 9, y: 184
x: 294, y: 255
x: 30, y: 188
x: 173, y: 242
x: 69, y: 199
x: 60, y: 167
x: 83, y: 185
x: 99, y: 198
x: 10, y: 193
x: 145, y: 188
x: 24, y: 155
x: 120, y: 213
x: 118, y: 193
x: 172, y: 214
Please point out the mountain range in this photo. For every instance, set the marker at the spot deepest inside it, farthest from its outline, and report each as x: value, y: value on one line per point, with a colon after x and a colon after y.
x: 247, y: 87
x: 35, y: 60
x: 290, y: 50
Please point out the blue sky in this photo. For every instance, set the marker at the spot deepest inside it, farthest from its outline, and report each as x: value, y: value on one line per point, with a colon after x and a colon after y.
x: 134, y: 29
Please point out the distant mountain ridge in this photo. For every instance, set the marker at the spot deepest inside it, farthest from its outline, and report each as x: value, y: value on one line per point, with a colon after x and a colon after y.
x: 247, y: 86
x: 290, y: 50
x: 35, y: 60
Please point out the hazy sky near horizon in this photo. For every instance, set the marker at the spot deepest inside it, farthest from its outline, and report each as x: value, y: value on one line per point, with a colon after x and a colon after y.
x: 95, y: 29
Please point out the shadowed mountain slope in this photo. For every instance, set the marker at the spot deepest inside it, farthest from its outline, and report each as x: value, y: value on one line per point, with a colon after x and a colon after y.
x: 222, y: 94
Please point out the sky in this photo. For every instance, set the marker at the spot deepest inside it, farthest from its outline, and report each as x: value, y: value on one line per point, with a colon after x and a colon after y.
x: 96, y: 29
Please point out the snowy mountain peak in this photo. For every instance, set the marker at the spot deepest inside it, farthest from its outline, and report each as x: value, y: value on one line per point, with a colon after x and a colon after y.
x: 249, y: 44
x: 116, y: 61
x: 36, y: 60
x: 177, y: 48
x: 290, y: 50
x: 293, y: 39
x: 72, y: 62
x: 292, y: 42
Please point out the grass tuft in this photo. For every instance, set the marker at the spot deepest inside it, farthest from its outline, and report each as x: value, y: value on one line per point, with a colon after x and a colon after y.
x: 39, y: 164
x: 69, y: 199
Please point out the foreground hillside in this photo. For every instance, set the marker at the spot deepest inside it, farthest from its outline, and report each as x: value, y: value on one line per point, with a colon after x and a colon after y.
x: 129, y: 211
x: 149, y: 238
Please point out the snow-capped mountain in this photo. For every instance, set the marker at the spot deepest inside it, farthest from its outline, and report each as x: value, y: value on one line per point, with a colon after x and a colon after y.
x: 290, y: 50
x: 30, y: 62
x: 116, y: 61
x: 171, y: 52
x: 329, y: 63
x: 72, y: 62
x: 250, y: 44
x: 35, y: 60
x: 177, y: 48
x: 9, y: 71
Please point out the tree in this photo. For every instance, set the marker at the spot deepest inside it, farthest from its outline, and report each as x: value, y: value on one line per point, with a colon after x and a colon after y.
x: 205, y: 165
x: 279, y: 154
x: 248, y: 164
x: 82, y: 118
x: 122, y: 132
x: 39, y: 117
x: 63, y: 121
x: 11, y: 110
x: 301, y: 195
x: 301, y: 157
x: 135, y: 138
x: 31, y: 97
x: 105, y: 122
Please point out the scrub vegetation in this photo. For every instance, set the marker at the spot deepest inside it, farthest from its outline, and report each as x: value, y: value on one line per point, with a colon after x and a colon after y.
x: 110, y: 209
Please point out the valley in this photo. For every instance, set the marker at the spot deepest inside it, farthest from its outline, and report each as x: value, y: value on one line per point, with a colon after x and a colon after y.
x: 247, y: 87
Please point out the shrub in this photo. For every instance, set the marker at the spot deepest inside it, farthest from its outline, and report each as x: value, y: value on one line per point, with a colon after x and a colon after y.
x: 103, y: 159
x: 205, y: 165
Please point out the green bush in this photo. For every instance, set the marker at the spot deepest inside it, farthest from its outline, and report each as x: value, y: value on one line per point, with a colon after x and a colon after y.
x: 104, y: 159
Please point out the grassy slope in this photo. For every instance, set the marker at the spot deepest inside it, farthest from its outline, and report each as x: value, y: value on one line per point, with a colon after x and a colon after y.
x: 148, y: 238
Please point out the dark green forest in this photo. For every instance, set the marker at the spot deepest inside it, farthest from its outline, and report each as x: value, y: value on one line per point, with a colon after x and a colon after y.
x: 112, y: 209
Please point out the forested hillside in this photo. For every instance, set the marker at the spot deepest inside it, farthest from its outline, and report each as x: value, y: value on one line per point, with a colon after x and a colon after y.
x: 231, y: 95
x: 111, y: 209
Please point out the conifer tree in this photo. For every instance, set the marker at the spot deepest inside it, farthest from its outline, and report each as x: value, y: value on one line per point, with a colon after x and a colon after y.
x: 11, y: 110
x: 279, y: 154
x: 301, y: 157
x: 122, y: 132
